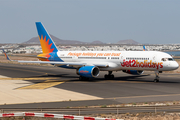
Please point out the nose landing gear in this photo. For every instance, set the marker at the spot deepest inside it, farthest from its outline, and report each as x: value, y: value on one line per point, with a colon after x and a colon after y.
x: 157, y: 76
x: 109, y: 76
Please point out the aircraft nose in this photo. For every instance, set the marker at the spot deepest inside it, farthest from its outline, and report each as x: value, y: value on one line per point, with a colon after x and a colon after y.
x: 175, y: 65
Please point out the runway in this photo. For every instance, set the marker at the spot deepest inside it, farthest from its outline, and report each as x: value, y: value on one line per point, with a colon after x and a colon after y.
x: 52, y: 87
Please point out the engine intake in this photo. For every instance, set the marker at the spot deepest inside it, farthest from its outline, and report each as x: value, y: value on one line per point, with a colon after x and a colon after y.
x: 88, y: 71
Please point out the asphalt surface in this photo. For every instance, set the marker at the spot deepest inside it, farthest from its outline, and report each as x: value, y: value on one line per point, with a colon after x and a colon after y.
x: 125, y: 88
x: 107, y: 110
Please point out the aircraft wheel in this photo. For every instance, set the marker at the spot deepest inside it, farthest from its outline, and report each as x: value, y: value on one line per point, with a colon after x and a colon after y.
x: 112, y: 76
x: 156, y: 80
x: 86, y: 78
x: 106, y: 76
x: 109, y: 76
x: 80, y: 77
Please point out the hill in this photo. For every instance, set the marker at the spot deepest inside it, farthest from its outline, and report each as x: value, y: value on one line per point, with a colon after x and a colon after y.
x: 35, y: 40
x: 128, y: 41
x: 97, y: 42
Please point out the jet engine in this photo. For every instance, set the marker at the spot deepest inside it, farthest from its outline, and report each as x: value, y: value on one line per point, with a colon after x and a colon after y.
x: 134, y: 72
x: 88, y: 71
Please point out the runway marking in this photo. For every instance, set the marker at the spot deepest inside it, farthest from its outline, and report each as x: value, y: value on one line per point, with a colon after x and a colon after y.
x: 131, y: 82
x: 9, y: 94
x: 43, y: 85
x: 136, y: 82
x: 145, y: 96
x: 58, y: 78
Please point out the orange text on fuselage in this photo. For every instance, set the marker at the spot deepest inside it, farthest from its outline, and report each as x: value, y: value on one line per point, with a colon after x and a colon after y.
x: 91, y: 54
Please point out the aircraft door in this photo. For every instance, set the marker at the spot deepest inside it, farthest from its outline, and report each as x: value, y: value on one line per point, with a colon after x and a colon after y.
x: 154, y: 58
x: 121, y: 58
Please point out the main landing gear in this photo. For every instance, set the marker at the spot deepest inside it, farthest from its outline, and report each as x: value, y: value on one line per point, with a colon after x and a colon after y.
x: 157, y: 76
x: 109, y: 76
x: 83, y: 78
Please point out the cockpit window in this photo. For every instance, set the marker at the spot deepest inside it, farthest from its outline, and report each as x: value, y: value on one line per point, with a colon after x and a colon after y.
x: 167, y: 59
x: 170, y: 59
x: 163, y: 59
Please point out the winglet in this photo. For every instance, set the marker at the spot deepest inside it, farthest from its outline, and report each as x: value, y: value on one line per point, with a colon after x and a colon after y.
x: 6, y: 55
x: 144, y: 48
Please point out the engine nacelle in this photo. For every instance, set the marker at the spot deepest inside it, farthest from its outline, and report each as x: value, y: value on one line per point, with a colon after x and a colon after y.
x: 88, y: 71
x: 134, y: 72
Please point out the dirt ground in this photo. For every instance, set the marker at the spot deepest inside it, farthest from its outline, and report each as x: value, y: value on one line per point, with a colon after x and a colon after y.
x: 127, y: 116
x: 143, y: 116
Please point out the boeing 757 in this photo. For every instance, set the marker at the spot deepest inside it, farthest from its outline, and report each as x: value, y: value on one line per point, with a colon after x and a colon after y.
x: 88, y: 64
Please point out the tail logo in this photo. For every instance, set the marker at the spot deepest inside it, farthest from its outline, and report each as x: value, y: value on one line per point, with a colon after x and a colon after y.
x: 46, y: 41
x: 5, y: 55
x: 46, y: 46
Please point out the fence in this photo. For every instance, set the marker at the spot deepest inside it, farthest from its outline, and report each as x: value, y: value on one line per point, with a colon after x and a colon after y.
x: 46, y: 115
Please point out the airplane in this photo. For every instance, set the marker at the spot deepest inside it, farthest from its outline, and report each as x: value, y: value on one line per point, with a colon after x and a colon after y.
x: 7, y: 57
x: 88, y: 64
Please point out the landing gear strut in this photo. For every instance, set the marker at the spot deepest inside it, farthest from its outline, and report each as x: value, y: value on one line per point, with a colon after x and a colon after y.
x: 109, y: 76
x: 157, y: 76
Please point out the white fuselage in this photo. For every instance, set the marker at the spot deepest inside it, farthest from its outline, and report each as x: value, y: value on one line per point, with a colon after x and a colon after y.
x: 122, y: 60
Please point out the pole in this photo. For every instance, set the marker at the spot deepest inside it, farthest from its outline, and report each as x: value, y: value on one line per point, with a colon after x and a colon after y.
x: 117, y: 111
x: 79, y: 112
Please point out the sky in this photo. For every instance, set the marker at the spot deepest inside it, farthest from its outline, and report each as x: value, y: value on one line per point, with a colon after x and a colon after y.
x: 145, y: 21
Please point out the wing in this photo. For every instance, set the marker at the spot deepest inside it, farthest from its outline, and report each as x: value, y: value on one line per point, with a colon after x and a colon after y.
x: 59, y: 63
x: 67, y: 63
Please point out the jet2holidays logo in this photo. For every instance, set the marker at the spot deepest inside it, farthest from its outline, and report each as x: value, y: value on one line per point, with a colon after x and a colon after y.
x: 145, y: 64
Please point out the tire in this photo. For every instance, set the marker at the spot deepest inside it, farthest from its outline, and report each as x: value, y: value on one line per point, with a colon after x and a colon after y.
x: 156, y: 80
x: 112, y: 76
x: 106, y: 76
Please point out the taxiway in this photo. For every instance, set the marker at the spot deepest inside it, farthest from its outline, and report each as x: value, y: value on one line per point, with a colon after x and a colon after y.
x: 28, y: 86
